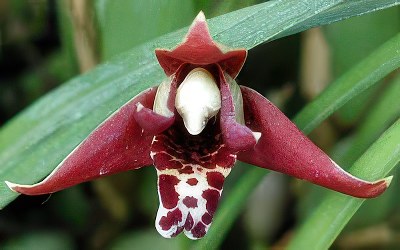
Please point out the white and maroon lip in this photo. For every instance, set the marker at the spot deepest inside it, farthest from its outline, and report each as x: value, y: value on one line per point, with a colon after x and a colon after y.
x: 188, y: 201
x: 191, y: 171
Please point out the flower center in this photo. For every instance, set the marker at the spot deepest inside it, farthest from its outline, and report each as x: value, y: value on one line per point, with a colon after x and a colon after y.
x: 197, y: 100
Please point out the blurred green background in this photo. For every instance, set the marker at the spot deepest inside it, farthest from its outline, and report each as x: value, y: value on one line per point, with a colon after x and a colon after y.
x: 45, y: 43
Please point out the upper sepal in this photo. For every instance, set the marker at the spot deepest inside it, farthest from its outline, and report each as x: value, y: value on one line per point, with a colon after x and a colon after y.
x: 284, y: 148
x: 118, y: 144
x: 198, y: 48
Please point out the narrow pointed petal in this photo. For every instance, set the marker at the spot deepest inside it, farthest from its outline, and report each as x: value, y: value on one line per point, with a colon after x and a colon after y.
x: 199, y: 48
x: 150, y: 121
x: 284, y: 148
x: 118, y: 144
x: 237, y: 137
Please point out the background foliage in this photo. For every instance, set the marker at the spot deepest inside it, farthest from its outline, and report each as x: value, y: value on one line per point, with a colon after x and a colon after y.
x: 45, y: 43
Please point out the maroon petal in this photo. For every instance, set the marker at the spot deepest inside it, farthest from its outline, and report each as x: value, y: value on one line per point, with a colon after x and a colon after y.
x: 284, y: 148
x: 118, y: 144
x: 236, y: 136
x: 150, y: 121
x: 198, y: 48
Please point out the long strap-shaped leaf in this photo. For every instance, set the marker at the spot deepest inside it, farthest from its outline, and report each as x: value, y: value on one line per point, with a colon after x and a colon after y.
x: 381, y: 62
x: 34, y: 142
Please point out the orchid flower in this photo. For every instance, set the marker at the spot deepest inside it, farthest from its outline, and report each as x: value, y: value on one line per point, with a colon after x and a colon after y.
x: 192, y: 128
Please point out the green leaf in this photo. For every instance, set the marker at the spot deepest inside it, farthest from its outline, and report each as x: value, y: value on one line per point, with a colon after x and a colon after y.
x: 39, y: 240
x: 310, y: 117
x: 122, y: 21
x: 386, y: 110
x: 35, y: 141
x: 372, y: 69
x: 145, y: 239
x: 336, y: 209
x: 348, y: 48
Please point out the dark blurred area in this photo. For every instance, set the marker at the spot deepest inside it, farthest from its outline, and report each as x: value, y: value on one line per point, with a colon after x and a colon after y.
x: 29, y: 45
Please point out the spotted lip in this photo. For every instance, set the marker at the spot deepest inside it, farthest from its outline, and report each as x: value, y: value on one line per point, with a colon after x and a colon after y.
x: 191, y: 171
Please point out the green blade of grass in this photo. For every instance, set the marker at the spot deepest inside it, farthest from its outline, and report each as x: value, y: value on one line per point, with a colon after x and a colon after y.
x: 372, y: 69
x: 116, y: 19
x: 348, y: 48
x: 35, y: 141
x: 329, y: 101
x: 329, y: 218
x: 386, y: 110
x: 40, y: 239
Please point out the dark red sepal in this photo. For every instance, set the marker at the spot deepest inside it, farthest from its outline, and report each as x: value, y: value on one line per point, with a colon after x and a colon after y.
x: 237, y: 137
x: 198, y: 48
x: 117, y: 145
x: 284, y: 148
